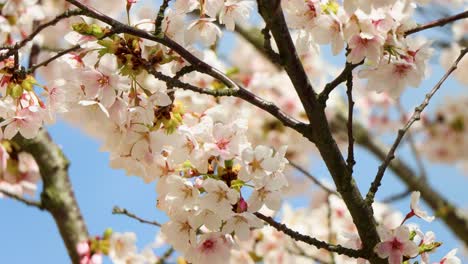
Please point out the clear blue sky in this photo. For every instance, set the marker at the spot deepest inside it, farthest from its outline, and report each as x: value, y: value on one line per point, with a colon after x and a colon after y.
x: 30, y: 236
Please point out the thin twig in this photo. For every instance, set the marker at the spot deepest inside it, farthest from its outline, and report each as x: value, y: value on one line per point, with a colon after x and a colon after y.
x: 438, y: 23
x: 56, y: 56
x: 22, y: 43
x: 123, y: 211
x: 415, y: 117
x: 414, y: 149
x: 310, y: 240
x: 167, y: 254
x: 23, y: 200
x: 313, y: 178
x: 349, y: 91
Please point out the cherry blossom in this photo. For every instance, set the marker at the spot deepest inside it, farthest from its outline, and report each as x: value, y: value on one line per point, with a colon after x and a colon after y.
x: 396, y: 244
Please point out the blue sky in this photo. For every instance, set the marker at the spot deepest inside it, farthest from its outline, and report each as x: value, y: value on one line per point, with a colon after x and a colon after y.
x: 28, y: 235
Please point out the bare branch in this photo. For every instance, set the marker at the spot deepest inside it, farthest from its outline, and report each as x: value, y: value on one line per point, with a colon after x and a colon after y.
x: 121, y: 211
x: 240, y: 93
x: 415, y: 117
x: 310, y: 240
x: 56, y: 56
x: 319, y: 130
x: 22, y: 43
x: 349, y: 91
x: 453, y: 217
x: 342, y: 77
x: 438, y: 23
x: 160, y: 17
x: 272, y: 55
x: 23, y: 200
x: 412, y: 143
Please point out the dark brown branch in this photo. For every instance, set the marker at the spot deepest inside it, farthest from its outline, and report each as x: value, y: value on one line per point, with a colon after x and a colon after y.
x: 349, y: 91
x: 51, y: 59
x: 415, y: 117
x: 342, y: 77
x: 319, y: 130
x: 57, y: 196
x: 310, y: 240
x: 119, y: 27
x: 22, y: 43
x: 438, y: 23
x: 23, y: 200
x: 272, y: 55
x: 121, y: 211
x: 240, y: 93
x: 160, y: 17
x: 313, y: 179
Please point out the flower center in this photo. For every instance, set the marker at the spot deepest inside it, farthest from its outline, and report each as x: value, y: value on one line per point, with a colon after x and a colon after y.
x: 208, y: 245
x: 396, y: 245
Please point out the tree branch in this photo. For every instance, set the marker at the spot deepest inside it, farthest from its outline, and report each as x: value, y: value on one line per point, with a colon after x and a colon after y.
x: 121, y: 211
x: 310, y: 240
x: 23, y: 200
x: 57, y: 196
x: 160, y: 17
x: 454, y: 218
x: 415, y: 117
x: 319, y: 130
x: 342, y: 77
x: 438, y: 23
x: 241, y: 92
x: 349, y: 91
x: 34, y: 67
x: 412, y: 143
x: 22, y: 43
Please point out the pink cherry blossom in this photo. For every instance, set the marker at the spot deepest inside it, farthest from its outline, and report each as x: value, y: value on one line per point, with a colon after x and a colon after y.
x: 396, y: 244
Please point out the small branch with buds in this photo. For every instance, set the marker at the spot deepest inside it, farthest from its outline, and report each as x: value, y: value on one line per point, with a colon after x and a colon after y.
x: 401, y: 133
x: 438, y: 23
x: 121, y: 211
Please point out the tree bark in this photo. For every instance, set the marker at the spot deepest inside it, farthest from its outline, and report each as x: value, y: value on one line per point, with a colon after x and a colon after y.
x: 57, y: 196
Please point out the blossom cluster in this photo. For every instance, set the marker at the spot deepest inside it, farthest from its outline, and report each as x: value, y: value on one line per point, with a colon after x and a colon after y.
x: 120, y: 247
x: 330, y: 221
x: 374, y: 34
